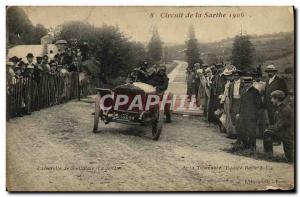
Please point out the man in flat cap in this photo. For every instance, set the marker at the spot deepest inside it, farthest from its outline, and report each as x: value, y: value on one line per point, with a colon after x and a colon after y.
x: 273, y: 83
x: 282, y: 128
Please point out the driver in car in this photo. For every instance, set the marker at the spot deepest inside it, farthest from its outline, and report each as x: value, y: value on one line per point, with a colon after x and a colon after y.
x: 139, y: 74
x: 159, y: 79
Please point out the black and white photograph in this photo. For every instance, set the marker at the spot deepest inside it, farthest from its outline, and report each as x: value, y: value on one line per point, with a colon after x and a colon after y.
x: 150, y: 98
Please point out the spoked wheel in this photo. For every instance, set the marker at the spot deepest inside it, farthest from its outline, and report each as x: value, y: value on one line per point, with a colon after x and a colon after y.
x: 96, y: 117
x: 157, y: 123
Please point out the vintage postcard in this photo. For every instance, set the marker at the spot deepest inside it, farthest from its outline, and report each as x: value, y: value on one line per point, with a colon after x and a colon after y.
x: 150, y: 98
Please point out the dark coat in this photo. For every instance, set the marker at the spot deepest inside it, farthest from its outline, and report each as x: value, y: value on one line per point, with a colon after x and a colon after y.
x: 142, y: 75
x: 277, y: 84
x: 250, y: 103
x: 72, y: 68
x: 210, y: 108
x: 218, y: 87
x: 66, y: 59
x: 283, y: 121
x: 37, y: 74
x: 159, y: 81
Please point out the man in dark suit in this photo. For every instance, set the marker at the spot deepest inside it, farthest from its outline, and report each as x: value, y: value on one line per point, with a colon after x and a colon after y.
x: 250, y: 103
x: 273, y: 83
x: 217, y: 88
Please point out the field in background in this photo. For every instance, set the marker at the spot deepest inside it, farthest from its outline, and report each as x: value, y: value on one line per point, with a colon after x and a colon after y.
x: 277, y: 48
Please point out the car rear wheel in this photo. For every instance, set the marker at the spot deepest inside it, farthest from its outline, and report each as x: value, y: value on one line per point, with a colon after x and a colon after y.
x: 157, y: 123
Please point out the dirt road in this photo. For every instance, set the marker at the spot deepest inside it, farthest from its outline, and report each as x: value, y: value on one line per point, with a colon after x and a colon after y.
x: 55, y: 150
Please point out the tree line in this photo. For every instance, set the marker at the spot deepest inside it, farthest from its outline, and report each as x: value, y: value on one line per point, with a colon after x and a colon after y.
x: 112, y: 54
x: 20, y: 30
x: 241, y: 54
x: 115, y: 53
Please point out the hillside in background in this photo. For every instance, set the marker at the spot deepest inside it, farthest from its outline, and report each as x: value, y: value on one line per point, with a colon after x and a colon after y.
x: 277, y: 48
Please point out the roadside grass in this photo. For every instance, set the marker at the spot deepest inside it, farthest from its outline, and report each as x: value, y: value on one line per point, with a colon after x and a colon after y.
x: 254, y: 154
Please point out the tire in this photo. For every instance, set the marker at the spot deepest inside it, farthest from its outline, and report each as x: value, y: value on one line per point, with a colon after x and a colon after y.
x: 157, y: 123
x: 96, y: 117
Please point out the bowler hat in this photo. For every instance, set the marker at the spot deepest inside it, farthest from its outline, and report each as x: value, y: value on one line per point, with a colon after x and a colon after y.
x: 271, y: 68
x: 278, y: 94
x: 30, y: 55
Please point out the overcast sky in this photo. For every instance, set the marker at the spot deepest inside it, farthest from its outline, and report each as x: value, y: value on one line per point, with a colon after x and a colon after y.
x: 137, y: 22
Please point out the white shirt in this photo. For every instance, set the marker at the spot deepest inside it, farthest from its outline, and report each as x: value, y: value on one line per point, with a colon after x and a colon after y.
x: 51, y: 56
x: 226, y: 92
x: 209, y: 80
x: 236, y: 89
x: 30, y: 65
x: 271, y: 79
x: 260, y: 86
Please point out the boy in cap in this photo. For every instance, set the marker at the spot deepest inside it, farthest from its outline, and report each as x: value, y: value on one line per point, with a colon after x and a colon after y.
x: 39, y: 60
x: 53, y: 67
x: 29, y: 63
x: 45, y: 64
x: 22, y: 66
x: 281, y: 129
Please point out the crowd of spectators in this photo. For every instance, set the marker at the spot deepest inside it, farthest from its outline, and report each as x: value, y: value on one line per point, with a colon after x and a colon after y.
x: 245, y: 104
x: 41, y: 81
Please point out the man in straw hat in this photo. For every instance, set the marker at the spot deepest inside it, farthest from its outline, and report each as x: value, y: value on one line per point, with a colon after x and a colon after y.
x: 282, y: 128
x: 273, y: 83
